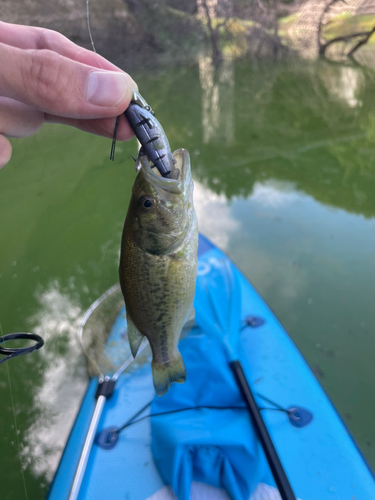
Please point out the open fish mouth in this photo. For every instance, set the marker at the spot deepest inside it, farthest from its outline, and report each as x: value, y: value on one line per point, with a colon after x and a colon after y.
x: 180, y: 177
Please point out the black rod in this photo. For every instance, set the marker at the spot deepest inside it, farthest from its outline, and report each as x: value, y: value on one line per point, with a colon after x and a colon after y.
x: 273, y: 459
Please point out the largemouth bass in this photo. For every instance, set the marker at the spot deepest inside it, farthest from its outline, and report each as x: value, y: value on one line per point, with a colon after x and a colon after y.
x: 158, y: 265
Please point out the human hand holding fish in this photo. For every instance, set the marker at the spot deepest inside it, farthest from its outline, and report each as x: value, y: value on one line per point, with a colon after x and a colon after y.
x: 45, y: 77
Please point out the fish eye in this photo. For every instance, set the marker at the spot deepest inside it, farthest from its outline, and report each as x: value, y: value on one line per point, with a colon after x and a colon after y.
x: 146, y: 203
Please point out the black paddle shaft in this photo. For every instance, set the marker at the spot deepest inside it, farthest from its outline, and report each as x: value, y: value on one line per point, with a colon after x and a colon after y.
x: 273, y: 459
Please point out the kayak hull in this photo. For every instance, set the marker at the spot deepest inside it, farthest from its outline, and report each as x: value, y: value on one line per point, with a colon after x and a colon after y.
x: 320, y: 457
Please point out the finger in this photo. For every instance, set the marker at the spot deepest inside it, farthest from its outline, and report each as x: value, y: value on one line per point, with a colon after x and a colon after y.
x: 18, y: 119
x: 59, y: 86
x: 30, y: 37
x: 103, y: 126
x: 5, y: 151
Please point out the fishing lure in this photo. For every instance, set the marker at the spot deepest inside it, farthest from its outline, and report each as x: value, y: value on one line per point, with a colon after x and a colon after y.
x: 150, y: 133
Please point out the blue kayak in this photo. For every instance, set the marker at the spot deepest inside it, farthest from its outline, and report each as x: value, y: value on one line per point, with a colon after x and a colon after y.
x: 198, y: 440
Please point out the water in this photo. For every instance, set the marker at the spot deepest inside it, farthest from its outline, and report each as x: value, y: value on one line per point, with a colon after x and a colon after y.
x: 283, y: 157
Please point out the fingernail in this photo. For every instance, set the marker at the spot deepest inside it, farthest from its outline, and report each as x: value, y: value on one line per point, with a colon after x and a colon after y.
x: 107, y: 88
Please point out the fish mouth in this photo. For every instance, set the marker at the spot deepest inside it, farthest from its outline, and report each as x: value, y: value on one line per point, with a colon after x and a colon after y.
x: 174, y: 186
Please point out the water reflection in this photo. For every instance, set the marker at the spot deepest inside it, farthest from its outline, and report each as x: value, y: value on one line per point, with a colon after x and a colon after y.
x: 274, y: 193
x: 214, y: 215
x: 63, y: 382
x: 303, y: 33
x: 344, y: 84
x: 66, y: 255
x: 311, y: 125
x: 217, y: 84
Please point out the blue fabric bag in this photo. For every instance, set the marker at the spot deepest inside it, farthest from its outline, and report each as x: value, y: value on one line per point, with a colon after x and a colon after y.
x: 214, y: 446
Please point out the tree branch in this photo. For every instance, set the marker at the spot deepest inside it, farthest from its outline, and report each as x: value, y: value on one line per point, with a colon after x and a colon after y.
x: 223, y: 23
x: 320, y: 24
x: 207, y: 11
x: 214, y: 32
x: 361, y: 42
x: 346, y: 38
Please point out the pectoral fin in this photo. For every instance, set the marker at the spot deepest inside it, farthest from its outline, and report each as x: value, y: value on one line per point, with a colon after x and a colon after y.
x: 134, y: 335
x: 189, y: 323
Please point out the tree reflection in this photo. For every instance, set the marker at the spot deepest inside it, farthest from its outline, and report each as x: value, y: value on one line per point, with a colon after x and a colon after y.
x: 309, y: 124
x: 217, y: 82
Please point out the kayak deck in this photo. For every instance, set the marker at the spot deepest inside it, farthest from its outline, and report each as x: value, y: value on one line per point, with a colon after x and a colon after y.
x: 321, y: 459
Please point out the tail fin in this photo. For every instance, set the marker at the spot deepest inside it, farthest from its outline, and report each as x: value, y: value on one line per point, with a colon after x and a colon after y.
x: 165, y: 374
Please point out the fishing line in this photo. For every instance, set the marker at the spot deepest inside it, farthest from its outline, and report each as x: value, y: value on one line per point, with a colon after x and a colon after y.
x: 16, y: 429
x: 113, y: 147
x: 88, y: 25
x: 89, y: 30
x: 15, y: 425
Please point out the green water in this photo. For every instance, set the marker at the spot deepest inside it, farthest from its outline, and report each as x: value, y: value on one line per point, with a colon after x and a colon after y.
x: 283, y: 157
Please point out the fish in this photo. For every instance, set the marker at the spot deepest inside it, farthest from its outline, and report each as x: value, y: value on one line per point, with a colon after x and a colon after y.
x: 158, y: 265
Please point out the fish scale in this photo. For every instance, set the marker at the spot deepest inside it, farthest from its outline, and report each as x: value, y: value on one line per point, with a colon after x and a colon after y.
x: 158, y: 265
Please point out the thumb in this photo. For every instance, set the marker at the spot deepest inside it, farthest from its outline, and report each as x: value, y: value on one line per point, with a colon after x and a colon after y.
x: 60, y: 86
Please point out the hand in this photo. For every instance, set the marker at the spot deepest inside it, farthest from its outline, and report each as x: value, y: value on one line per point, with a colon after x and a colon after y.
x: 46, y: 77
